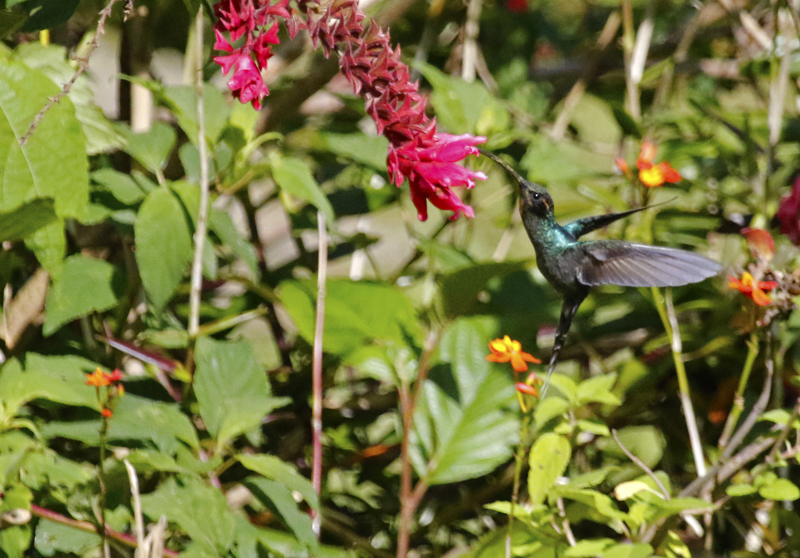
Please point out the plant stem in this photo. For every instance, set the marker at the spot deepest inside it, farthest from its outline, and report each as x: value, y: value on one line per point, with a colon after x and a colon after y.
x: 519, y: 458
x: 102, y: 479
x: 738, y: 402
x: 87, y: 527
x: 202, y: 214
x: 670, y: 321
x: 316, y: 380
x: 410, y: 498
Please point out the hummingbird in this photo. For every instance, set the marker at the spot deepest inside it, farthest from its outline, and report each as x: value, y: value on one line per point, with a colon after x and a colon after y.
x: 573, y: 266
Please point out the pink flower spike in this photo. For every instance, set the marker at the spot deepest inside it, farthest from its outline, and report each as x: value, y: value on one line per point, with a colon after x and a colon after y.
x: 222, y: 43
x: 246, y: 83
x: 228, y: 61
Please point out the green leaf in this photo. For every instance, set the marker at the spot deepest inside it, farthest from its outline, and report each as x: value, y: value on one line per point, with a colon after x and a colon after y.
x: 122, y: 186
x: 741, y: 490
x: 361, y: 148
x: 193, y: 6
x: 780, y: 490
x: 46, y: 14
x: 200, y: 510
x: 61, y: 379
x: 549, y: 409
x: 26, y: 220
x: 27, y: 172
x: 152, y: 148
x: 182, y: 101
x: 49, y: 245
x: 10, y: 22
x: 278, y: 470
x: 548, y: 460
x: 55, y: 539
x: 565, y: 385
x: 15, y: 541
x: 85, y: 285
x: 598, y: 390
x: 645, y: 442
x: 231, y: 388
x: 277, y: 497
x: 463, y: 107
x: 356, y: 313
x: 163, y: 244
x: 221, y: 224
x: 135, y: 418
x: 294, y: 176
x: 588, y: 548
x: 462, y: 428
x: 628, y: 550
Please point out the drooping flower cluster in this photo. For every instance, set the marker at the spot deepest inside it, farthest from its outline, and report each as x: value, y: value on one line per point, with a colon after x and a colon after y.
x: 651, y: 174
x: 416, y: 152
x: 106, y: 398
x: 257, y: 22
x: 429, y: 160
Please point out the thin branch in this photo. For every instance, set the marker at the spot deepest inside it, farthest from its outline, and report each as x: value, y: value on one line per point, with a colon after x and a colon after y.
x: 738, y: 402
x: 410, y: 498
x: 137, y: 504
x: 641, y: 464
x: 83, y: 65
x: 202, y: 214
x: 471, y: 29
x: 87, y: 527
x: 316, y: 420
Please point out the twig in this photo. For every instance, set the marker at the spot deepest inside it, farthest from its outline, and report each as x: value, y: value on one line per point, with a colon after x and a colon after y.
x: 671, y: 325
x: 88, y: 527
x: 410, y: 498
x: 738, y: 402
x: 628, y: 41
x: 82, y: 67
x: 202, y: 214
x: 642, y: 46
x: 137, y: 504
x: 641, y: 464
x: 316, y: 420
x: 784, y: 433
x: 574, y: 96
x: 471, y: 29
x: 565, y: 523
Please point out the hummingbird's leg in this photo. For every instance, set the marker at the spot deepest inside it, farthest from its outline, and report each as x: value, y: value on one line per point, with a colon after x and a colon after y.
x: 568, y: 310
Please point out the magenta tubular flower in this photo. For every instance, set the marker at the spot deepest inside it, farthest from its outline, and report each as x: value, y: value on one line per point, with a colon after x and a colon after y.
x: 789, y: 214
x: 428, y: 160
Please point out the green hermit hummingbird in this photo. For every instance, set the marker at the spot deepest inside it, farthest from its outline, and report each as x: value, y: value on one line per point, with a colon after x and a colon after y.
x: 573, y: 266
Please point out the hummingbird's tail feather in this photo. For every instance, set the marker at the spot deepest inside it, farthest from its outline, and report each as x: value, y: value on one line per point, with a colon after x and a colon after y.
x: 568, y: 310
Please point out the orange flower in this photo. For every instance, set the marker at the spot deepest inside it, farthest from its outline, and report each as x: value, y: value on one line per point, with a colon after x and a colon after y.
x: 653, y: 175
x: 99, y: 378
x: 508, y: 350
x: 753, y: 289
x: 107, y: 413
x: 527, y: 390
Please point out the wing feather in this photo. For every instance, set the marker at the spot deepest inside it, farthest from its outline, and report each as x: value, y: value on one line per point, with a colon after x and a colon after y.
x: 615, y: 262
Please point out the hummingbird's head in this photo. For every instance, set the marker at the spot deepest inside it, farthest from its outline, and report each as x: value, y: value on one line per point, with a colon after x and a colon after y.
x: 533, y: 198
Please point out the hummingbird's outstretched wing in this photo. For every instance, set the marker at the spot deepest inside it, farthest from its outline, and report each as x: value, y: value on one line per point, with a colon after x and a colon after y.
x: 616, y: 262
x: 580, y: 227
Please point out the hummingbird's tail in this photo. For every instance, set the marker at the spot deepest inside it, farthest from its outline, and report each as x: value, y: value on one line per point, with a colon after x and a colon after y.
x: 568, y: 310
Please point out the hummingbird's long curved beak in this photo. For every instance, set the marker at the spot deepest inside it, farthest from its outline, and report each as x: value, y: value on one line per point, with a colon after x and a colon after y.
x: 506, y: 167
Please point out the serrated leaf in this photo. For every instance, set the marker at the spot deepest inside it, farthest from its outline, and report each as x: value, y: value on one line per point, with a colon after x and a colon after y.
x: 49, y: 245
x: 232, y: 389
x: 54, y: 539
x: 462, y: 428
x: 278, y: 470
x: 61, y: 379
x: 200, y: 510
x: 122, y: 186
x: 27, y: 172
x: 294, y: 176
x: 85, y: 285
x: 163, y: 244
x: 548, y: 460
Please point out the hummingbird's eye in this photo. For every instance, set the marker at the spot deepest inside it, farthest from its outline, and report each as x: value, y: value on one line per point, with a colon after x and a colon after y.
x: 536, y: 195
